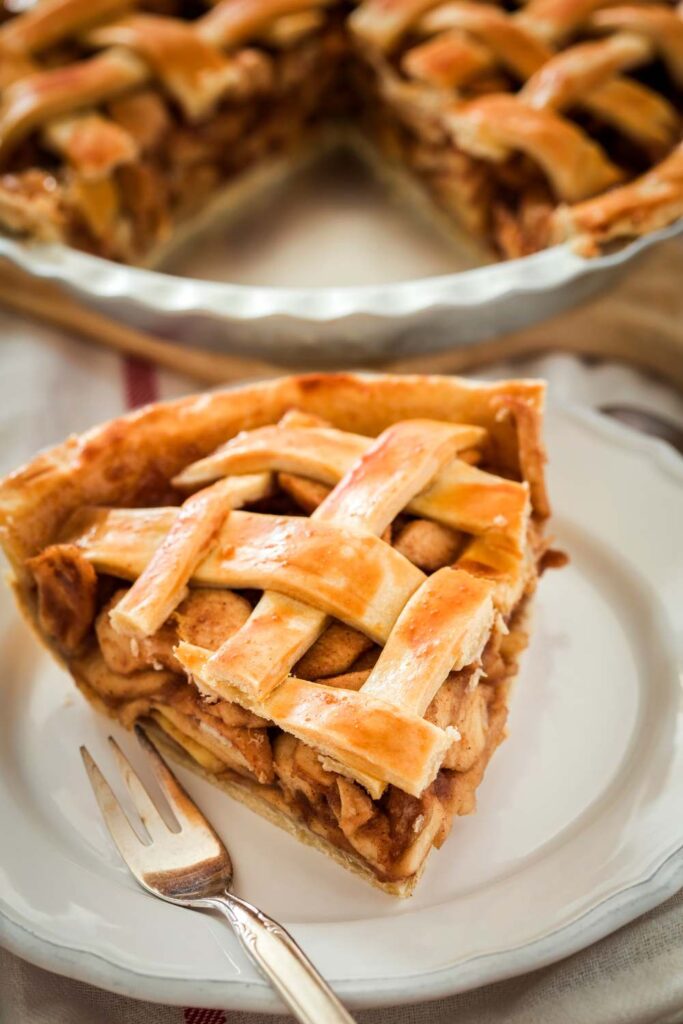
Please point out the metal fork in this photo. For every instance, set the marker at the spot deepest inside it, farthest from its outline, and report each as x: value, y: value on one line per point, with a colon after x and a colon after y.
x: 188, y: 865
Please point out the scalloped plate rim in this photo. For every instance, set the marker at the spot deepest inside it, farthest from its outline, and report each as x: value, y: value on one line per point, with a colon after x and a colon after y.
x: 609, y: 914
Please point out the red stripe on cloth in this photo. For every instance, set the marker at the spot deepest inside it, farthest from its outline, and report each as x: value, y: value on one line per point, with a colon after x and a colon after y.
x: 194, y: 1015
x: 140, y: 383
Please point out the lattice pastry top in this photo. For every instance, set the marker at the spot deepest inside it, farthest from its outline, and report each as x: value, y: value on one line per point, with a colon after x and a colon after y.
x: 106, y: 85
x: 333, y: 563
x: 588, y: 90
x: 575, y: 101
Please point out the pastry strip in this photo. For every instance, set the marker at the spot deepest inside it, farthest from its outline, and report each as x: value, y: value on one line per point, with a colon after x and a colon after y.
x: 460, y: 496
x: 396, y: 465
x: 162, y: 584
x: 367, y: 736
x: 321, y: 452
x: 442, y: 628
x: 352, y: 576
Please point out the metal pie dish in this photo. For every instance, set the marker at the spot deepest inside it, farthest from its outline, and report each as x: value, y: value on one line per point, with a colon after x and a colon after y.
x: 335, y: 325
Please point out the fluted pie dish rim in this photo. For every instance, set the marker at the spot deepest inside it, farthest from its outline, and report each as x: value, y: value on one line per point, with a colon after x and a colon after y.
x: 553, y: 275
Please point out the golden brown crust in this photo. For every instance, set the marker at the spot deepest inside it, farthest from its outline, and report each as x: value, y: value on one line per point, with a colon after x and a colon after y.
x: 160, y: 588
x: 649, y: 202
x: 129, y: 461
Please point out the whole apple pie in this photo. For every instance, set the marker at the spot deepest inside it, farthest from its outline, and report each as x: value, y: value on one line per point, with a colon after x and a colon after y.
x: 526, y: 123
x: 315, y: 592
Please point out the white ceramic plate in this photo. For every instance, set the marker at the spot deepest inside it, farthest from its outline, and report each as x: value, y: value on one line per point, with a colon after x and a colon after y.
x: 578, y: 829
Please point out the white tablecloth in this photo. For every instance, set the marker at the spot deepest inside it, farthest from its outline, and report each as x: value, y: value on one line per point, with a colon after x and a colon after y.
x: 50, y: 386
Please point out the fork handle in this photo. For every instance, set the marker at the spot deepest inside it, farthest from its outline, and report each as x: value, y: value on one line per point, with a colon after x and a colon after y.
x: 283, y: 962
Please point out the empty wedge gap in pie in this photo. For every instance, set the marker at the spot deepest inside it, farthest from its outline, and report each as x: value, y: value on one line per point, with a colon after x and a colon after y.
x: 314, y: 591
x: 525, y: 123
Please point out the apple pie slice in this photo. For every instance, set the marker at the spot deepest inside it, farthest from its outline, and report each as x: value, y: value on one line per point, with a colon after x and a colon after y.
x: 315, y: 591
